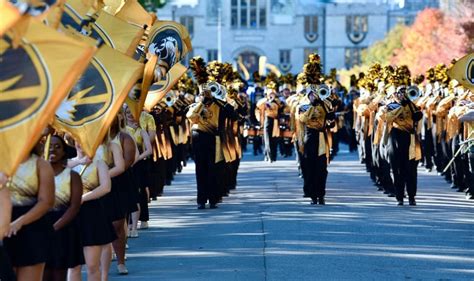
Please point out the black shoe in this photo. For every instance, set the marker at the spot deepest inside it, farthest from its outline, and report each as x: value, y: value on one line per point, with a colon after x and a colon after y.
x: 213, y: 206
x: 306, y: 196
x: 322, y: 201
x: 453, y: 186
x: 201, y: 206
x: 400, y: 203
x: 391, y: 195
x: 412, y: 202
x: 314, y: 202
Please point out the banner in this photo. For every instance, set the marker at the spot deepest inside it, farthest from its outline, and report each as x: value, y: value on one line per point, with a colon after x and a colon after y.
x: 463, y: 71
x: 170, y: 41
x: 34, y: 79
x: 132, y: 11
x: 95, y: 99
x: 116, y: 33
x: 136, y: 98
x: 9, y: 15
x: 159, y: 89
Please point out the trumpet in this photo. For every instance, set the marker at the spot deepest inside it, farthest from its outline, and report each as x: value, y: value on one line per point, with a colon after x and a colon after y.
x: 217, y: 91
x: 173, y: 100
x: 170, y: 99
x: 413, y: 93
x: 323, y: 92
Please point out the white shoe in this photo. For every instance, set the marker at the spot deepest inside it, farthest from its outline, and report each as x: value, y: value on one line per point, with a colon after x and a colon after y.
x: 134, y: 234
x: 144, y: 225
x: 126, y: 246
x: 122, y: 269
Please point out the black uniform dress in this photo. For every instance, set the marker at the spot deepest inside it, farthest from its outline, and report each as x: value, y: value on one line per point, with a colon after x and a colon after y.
x: 115, y: 201
x: 314, y: 118
x: 140, y: 176
x: 96, y: 226
x: 31, y: 244
x: 66, y: 245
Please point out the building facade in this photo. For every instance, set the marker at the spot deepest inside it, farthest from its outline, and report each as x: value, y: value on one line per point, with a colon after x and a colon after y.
x: 281, y: 33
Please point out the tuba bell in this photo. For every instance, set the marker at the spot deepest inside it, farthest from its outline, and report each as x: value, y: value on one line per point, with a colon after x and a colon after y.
x: 323, y: 92
x: 413, y: 93
x: 217, y: 91
x: 170, y: 99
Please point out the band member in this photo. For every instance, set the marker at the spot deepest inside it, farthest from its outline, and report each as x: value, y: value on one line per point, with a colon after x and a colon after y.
x: 121, y: 188
x: 96, y: 227
x: 404, y: 115
x: 468, y: 121
x: 317, y: 116
x: 6, y: 271
x: 296, y: 126
x: 267, y: 113
x: 66, y: 248
x: 207, y: 117
x: 233, y: 129
x: 143, y: 151
x: 147, y: 123
x: 32, y: 195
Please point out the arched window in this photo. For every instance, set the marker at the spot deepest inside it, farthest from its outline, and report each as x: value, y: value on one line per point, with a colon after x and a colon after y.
x: 356, y: 28
x: 311, y: 28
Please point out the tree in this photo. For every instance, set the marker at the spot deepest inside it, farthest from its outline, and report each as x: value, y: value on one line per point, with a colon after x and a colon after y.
x: 433, y: 38
x: 152, y: 5
x: 382, y: 51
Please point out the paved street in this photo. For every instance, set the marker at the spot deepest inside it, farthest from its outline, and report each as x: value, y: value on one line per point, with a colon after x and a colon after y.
x: 267, y: 231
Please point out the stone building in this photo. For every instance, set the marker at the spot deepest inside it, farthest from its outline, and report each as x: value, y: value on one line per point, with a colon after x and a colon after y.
x: 281, y: 33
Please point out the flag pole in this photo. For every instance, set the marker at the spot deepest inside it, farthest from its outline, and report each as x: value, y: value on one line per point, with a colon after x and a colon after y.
x: 219, y: 34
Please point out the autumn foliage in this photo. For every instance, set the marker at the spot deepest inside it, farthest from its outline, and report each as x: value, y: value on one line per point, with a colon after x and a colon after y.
x: 433, y: 38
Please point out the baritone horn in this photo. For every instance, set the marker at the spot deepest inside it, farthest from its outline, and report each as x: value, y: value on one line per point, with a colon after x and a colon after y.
x: 413, y: 93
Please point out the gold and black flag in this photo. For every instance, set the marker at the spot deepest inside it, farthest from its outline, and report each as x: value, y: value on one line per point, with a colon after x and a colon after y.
x: 159, y: 89
x: 132, y: 11
x: 136, y: 98
x: 87, y: 112
x: 170, y: 41
x: 34, y: 79
x: 116, y: 33
x: 9, y: 15
x: 463, y: 71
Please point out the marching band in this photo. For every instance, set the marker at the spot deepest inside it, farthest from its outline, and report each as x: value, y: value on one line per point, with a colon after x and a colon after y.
x: 77, y: 192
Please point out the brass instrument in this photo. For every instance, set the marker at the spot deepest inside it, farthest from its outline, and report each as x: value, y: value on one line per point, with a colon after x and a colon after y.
x: 413, y: 93
x: 170, y: 99
x: 324, y: 92
x: 173, y: 100
x: 217, y: 91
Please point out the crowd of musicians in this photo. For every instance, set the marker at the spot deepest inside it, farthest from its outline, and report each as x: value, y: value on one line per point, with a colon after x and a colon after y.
x: 70, y: 211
